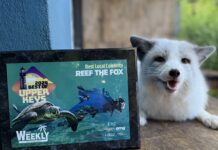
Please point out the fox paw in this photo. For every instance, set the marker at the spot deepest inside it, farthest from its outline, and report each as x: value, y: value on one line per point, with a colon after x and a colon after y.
x: 143, y: 121
x: 209, y: 120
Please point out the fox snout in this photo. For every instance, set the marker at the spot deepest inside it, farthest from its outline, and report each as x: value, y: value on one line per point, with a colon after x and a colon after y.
x: 174, y: 73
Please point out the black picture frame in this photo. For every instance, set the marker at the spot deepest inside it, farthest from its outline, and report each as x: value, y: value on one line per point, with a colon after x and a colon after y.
x: 72, y: 55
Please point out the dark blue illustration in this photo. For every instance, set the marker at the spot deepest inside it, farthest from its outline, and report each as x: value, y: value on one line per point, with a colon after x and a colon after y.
x: 95, y: 101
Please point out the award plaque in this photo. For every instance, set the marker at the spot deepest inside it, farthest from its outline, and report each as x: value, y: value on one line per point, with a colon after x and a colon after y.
x: 69, y: 99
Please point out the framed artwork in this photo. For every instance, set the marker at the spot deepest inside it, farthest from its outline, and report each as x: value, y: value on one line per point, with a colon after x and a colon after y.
x: 69, y: 99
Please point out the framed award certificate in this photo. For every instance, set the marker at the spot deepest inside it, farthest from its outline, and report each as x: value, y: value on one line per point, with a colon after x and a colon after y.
x: 69, y: 99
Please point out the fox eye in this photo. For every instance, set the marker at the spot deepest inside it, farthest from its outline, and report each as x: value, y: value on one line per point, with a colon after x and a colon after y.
x: 185, y: 61
x: 159, y: 59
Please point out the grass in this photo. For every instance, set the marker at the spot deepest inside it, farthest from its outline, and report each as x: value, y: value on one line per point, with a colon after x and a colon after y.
x: 213, y: 93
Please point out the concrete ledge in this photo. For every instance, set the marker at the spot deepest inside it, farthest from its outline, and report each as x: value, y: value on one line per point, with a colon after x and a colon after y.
x: 158, y: 135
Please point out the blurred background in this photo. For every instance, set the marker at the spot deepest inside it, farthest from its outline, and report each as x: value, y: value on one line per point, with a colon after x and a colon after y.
x: 67, y: 24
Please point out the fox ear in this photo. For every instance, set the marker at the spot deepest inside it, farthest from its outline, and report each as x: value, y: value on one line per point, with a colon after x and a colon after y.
x: 204, y: 52
x: 143, y: 45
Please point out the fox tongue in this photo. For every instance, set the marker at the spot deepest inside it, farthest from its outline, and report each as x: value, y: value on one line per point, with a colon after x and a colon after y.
x: 172, y: 84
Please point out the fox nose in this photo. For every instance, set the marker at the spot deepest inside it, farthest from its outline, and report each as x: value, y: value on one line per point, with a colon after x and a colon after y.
x: 174, y: 73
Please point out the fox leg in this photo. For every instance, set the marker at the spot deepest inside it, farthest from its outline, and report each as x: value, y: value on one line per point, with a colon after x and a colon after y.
x: 143, y: 119
x: 208, y: 119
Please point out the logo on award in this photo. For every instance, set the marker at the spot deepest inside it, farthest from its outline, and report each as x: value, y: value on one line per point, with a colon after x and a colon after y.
x: 33, y: 86
x: 33, y: 137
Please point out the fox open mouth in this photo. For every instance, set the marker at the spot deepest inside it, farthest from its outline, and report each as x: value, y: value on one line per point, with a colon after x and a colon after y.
x: 171, y: 85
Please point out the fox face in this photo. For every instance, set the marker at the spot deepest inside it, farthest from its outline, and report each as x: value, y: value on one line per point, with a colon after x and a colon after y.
x: 169, y: 65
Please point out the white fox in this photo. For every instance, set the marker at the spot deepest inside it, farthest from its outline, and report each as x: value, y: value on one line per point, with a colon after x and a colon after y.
x: 171, y: 85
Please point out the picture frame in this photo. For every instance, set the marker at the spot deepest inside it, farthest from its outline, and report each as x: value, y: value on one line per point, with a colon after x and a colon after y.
x: 69, y: 99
